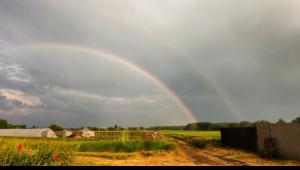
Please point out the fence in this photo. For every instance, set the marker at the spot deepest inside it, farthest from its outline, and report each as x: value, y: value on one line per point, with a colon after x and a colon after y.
x: 244, y: 138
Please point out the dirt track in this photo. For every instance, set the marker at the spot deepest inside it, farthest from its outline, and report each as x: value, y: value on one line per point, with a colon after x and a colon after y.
x: 183, y: 155
x: 205, y: 158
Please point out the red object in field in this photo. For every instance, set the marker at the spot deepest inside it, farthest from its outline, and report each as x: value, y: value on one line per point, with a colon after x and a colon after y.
x: 56, y: 157
x: 20, y: 147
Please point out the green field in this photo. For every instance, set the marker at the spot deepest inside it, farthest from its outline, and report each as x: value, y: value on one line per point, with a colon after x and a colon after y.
x: 200, y: 134
x: 199, y: 139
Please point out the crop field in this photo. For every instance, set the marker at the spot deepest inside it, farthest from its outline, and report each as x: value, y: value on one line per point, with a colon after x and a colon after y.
x: 43, y: 151
x: 190, y: 148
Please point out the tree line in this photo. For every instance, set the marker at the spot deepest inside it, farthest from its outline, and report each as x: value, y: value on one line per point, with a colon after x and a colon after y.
x: 5, y: 125
x: 208, y: 126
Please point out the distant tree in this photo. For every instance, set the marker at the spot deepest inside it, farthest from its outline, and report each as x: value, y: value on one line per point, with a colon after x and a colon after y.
x: 192, y: 126
x: 262, y: 122
x: 132, y: 128
x: 102, y: 129
x: 281, y: 121
x: 142, y: 128
x: 55, y: 127
x: 116, y: 127
x: 233, y: 125
x: 10, y: 126
x: 3, y: 124
x: 34, y: 127
x: 110, y: 128
x: 93, y: 128
x: 245, y: 124
x: 297, y: 120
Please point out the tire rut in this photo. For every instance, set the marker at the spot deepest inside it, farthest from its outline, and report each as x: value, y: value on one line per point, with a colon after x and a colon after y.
x: 206, y: 158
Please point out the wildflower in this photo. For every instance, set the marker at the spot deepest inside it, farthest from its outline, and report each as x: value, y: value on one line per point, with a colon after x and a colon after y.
x: 20, y: 147
x: 56, y: 157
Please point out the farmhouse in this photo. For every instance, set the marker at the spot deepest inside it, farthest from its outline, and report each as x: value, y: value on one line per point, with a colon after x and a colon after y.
x: 277, y: 139
x: 86, y: 133
x: 46, y: 133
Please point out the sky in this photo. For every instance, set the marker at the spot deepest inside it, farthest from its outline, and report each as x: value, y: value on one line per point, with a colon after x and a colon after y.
x: 148, y: 62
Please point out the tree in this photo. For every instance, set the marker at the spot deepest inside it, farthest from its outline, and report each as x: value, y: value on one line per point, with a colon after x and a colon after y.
x: 55, y: 127
x: 110, y: 128
x: 281, y: 121
x: 3, y: 124
x: 93, y: 128
x: 245, y: 124
x: 10, y: 126
x: 34, y: 127
x: 297, y: 120
x: 262, y: 122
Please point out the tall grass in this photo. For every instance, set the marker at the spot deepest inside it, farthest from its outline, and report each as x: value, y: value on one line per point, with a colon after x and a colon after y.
x: 14, y: 154
x: 126, y: 146
x: 57, y: 152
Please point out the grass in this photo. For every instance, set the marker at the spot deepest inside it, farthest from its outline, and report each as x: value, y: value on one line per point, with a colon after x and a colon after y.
x: 186, y: 133
x: 198, y: 139
x: 126, y: 146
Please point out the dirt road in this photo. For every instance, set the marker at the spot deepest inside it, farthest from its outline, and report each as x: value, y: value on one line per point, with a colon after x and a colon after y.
x: 204, y: 158
x: 218, y: 156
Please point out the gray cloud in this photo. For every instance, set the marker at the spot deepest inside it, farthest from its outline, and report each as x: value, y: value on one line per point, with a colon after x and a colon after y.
x: 8, y: 105
x: 248, y: 50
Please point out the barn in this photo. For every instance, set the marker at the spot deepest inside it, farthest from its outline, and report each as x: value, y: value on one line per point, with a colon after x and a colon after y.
x: 46, y: 133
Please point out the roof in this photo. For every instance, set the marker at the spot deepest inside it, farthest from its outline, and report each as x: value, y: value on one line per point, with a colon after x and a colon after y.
x: 23, y: 132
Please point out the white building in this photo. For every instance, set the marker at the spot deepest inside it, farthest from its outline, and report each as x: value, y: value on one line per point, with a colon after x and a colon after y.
x: 86, y: 133
x: 67, y: 133
x: 46, y: 133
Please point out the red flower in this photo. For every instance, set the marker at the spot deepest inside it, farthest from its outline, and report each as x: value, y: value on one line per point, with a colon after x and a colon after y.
x: 20, y: 147
x: 56, y: 157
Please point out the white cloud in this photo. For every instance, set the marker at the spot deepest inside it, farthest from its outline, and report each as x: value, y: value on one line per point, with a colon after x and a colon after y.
x: 16, y: 95
x: 17, y: 73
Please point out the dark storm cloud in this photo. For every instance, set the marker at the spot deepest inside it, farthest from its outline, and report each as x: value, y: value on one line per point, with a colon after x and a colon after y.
x: 8, y: 105
x: 249, y: 50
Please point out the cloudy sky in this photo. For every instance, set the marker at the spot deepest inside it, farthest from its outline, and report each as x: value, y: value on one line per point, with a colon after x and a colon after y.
x: 225, y: 61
